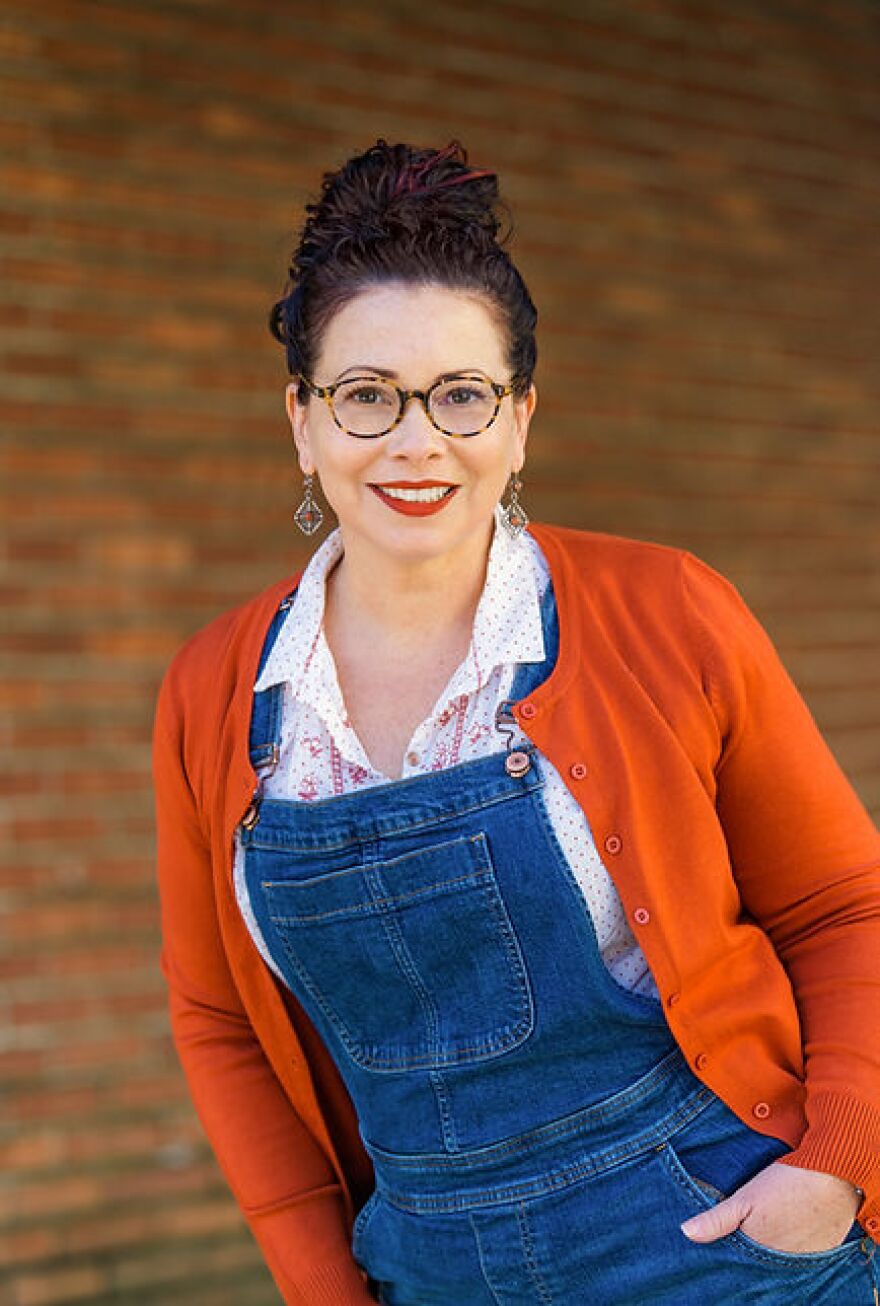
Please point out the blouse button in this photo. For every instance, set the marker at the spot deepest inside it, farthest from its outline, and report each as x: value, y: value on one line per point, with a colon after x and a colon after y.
x: 761, y: 1110
x: 701, y: 1061
x: 412, y: 758
x: 528, y: 710
x: 577, y: 771
x: 641, y: 916
x: 613, y: 843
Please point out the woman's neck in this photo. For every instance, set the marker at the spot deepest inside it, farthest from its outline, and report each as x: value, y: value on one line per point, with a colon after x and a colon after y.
x: 404, y: 602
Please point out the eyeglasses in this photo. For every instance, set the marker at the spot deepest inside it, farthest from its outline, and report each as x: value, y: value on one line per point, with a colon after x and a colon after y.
x: 367, y: 407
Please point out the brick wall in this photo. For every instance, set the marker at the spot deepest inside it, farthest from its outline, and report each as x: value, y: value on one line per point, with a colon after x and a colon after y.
x: 696, y: 188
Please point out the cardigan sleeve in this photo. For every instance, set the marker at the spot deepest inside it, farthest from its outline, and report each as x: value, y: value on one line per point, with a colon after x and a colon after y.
x: 806, y: 859
x: 281, y: 1179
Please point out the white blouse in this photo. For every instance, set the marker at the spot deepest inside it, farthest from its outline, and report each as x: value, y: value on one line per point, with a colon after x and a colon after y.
x: 321, y: 755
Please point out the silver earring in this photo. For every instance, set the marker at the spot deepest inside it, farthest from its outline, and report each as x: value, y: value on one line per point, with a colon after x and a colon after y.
x: 512, y: 513
x: 308, y: 515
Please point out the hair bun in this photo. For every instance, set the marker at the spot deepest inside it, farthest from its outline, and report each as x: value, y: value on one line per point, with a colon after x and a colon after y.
x: 400, y: 192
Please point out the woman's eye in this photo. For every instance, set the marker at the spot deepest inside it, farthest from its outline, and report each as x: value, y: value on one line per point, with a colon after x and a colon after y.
x: 366, y: 395
x: 460, y: 396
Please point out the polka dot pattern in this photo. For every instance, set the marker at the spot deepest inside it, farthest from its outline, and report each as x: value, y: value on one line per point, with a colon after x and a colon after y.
x: 321, y: 755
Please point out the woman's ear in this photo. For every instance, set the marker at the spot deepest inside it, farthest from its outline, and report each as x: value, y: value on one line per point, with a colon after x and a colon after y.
x: 522, y: 416
x: 297, y: 416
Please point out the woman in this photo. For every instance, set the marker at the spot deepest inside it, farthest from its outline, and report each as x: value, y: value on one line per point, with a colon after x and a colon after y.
x: 521, y: 931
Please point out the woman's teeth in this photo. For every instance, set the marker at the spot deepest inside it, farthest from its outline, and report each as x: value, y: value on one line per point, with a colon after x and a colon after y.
x: 431, y: 495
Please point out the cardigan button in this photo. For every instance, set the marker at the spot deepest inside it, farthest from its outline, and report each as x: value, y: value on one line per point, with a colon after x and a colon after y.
x: 577, y: 771
x: 873, y: 1224
x: 761, y: 1110
x: 701, y: 1061
x: 673, y: 999
x: 528, y: 710
x: 641, y: 916
x: 613, y: 843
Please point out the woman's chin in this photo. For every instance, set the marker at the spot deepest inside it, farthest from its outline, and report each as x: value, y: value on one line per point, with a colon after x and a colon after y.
x: 419, y: 539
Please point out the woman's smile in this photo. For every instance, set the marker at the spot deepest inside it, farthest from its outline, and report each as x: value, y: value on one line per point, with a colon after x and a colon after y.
x: 415, y: 498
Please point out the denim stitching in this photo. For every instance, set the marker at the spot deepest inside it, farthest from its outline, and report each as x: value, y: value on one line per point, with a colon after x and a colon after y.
x: 368, y: 908
x: 370, y: 848
x: 391, y: 928
x: 600, y: 1113
x: 364, y: 1217
x: 282, y: 841
x: 528, y: 1246
x: 444, y: 1108
x: 554, y: 1181
x: 483, y: 1270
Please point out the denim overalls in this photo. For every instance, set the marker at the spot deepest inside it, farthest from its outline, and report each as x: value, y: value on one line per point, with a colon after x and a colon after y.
x: 537, y: 1136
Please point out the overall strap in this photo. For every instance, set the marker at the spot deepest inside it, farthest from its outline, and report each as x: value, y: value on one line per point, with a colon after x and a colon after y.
x: 529, y: 675
x: 265, y: 732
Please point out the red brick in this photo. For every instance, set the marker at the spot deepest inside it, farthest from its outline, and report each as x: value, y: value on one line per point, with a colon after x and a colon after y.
x: 50, y: 1286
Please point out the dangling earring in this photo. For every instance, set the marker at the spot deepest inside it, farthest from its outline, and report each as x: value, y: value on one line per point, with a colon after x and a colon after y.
x: 512, y: 513
x: 308, y: 515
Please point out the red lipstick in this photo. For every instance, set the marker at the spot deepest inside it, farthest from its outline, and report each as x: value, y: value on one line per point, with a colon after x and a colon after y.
x: 409, y: 507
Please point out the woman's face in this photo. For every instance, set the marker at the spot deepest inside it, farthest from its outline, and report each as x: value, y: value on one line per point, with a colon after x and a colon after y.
x: 416, y: 334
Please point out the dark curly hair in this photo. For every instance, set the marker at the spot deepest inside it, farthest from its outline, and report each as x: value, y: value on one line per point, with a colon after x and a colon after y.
x: 403, y: 213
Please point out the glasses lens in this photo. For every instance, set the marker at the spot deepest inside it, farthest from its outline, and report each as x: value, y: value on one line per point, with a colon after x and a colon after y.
x: 366, y: 407
x: 463, y: 406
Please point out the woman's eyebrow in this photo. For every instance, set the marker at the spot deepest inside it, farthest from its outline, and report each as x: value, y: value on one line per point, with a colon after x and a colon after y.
x: 366, y: 367
x: 394, y: 376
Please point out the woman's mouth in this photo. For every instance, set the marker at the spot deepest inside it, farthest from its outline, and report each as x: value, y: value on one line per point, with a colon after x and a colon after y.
x: 415, y: 500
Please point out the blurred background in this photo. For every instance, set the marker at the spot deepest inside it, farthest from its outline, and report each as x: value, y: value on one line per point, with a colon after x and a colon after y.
x: 695, y: 187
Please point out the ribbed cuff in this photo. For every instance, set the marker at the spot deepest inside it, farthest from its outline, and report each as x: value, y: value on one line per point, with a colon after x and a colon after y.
x: 336, y: 1285
x: 307, y: 1246
x: 843, y: 1139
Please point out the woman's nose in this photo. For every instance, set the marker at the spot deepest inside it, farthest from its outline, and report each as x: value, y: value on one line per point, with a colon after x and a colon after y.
x: 415, y: 431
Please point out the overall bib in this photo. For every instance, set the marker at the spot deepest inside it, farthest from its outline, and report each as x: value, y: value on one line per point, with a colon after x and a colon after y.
x: 536, y: 1134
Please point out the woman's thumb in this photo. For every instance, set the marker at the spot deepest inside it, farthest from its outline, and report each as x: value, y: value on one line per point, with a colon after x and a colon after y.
x: 722, y: 1219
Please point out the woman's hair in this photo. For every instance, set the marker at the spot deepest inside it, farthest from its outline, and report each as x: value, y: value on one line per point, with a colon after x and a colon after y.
x: 401, y: 213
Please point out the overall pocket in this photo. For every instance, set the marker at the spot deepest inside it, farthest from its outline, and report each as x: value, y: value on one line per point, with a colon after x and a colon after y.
x: 413, y: 961
x: 715, y: 1155
x: 704, y: 1196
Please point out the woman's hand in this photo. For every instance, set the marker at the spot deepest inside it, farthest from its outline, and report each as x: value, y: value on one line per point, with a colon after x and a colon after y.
x: 783, y: 1207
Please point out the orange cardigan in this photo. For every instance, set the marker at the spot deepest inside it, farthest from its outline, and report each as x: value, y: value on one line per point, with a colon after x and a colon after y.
x: 744, y: 859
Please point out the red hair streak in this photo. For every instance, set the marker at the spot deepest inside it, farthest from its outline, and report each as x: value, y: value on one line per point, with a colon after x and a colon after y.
x: 409, y: 181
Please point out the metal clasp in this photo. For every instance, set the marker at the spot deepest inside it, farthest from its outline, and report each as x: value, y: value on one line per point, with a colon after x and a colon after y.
x: 252, y: 815
x: 518, y: 761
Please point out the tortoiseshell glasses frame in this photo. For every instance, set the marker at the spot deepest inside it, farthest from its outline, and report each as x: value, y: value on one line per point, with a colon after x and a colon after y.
x: 327, y: 392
